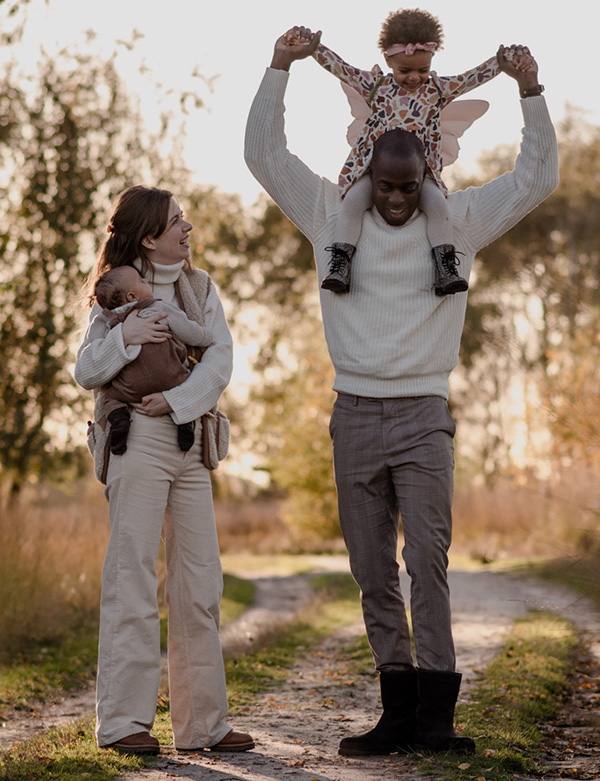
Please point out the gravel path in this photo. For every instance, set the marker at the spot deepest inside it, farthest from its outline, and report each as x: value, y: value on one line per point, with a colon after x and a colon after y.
x: 297, y: 727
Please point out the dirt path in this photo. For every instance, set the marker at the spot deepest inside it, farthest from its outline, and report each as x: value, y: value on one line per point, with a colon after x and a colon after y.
x: 298, y: 727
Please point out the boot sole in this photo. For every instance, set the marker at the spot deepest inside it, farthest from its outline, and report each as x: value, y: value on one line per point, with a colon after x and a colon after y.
x: 357, y: 752
x: 464, y: 750
x: 365, y: 753
x: 451, y: 289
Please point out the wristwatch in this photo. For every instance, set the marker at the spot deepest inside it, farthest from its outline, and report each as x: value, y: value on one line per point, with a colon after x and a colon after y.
x: 529, y: 92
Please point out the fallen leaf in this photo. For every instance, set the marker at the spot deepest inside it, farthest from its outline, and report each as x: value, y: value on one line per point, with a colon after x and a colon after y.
x: 464, y: 766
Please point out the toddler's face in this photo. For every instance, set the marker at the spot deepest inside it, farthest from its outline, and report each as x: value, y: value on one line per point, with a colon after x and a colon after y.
x: 410, y: 72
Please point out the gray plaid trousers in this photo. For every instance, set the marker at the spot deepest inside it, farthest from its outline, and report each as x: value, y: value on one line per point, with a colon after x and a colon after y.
x: 395, y: 458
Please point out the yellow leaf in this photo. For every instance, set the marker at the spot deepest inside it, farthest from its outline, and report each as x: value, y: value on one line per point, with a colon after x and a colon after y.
x: 464, y: 766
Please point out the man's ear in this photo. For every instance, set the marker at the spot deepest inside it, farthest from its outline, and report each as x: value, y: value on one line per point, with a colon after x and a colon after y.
x: 148, y: 242
x: 131, y: 297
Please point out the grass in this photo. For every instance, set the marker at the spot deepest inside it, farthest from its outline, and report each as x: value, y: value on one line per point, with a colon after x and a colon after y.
x: 68, y: 754
x: 238, y: 594
x: 521, y: 689
x: 34, y: 677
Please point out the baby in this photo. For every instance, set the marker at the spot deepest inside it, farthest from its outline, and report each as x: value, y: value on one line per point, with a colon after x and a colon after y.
x: 159, y: 365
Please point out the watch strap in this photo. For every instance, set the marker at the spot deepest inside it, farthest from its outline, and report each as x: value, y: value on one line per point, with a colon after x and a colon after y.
x: 529, y: 92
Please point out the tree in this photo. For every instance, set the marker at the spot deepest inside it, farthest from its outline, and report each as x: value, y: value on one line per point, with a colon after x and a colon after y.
x: 535, y: 291
x: 70, y: 140
x: 292, y: 433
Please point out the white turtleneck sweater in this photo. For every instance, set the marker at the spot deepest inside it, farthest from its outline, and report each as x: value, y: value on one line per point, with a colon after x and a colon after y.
x: 391, y: 336
x: 99, y: 360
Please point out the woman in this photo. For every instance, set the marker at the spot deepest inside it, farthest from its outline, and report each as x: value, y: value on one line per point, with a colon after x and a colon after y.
x: 147, y: 231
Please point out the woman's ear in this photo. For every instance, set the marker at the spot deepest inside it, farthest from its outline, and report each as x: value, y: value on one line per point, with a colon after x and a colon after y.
x: 148, y: 242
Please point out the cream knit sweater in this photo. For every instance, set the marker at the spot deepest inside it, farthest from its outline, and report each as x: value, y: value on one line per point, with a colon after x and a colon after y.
x: 391, y: 336
x: 99, y: 360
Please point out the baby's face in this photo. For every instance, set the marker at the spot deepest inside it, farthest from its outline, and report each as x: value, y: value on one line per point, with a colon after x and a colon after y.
x: 136, y: 286
x: 410, y: 71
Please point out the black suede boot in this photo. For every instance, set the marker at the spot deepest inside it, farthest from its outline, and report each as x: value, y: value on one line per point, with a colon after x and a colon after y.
x: 120, y: 421
x: 338, y: 278
x: 447, y: 280
x: 185, y: 436
x: 438, y: 692
x: 395, y: 730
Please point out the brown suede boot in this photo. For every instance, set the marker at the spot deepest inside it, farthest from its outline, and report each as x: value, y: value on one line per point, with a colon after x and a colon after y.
x: 140, y: 743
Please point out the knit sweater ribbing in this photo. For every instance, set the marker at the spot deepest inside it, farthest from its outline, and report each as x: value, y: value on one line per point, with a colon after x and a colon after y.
x: 391, y: 336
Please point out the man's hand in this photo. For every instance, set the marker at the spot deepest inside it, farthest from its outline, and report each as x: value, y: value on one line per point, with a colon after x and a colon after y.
x: 518, y: 63
x: 296, y: 44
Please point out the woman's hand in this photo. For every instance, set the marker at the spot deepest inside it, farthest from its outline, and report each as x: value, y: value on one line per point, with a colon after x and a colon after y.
x: 154, y: 405
x: 141, y: 330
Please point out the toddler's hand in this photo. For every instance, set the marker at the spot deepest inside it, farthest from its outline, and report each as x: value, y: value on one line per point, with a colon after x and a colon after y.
x: 520, y: 57
x: 297, y: 44
x: 298, y: 36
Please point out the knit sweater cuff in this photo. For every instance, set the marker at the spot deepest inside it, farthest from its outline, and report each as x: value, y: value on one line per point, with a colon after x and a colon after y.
x: 535, y: 110
x: 276, y: 80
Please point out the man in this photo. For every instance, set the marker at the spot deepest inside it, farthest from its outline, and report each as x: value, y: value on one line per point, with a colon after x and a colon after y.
x: 393, y: 344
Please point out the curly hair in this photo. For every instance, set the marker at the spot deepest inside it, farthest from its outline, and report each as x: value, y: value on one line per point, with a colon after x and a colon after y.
x: 410, y: 25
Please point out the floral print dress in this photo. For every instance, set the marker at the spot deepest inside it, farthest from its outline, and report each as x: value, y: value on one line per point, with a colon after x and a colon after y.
x: 394, y: 107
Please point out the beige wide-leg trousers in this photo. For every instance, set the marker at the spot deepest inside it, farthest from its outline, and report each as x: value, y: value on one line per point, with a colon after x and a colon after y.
x: 152, y: 474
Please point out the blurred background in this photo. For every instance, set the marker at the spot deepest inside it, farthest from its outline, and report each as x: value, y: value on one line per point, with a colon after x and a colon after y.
x: 97, y: 97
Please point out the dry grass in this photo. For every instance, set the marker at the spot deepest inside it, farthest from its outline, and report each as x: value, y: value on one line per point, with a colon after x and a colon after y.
x: 53, y: 543
x: 530, y: 519
x: 50, y: 564
x: 251, y: 525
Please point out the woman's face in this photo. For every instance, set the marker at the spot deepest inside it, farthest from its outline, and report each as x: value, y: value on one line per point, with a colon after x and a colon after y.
x: 173, y: 244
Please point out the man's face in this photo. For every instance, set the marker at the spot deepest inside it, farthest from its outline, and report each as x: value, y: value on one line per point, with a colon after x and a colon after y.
x: 396, y: 186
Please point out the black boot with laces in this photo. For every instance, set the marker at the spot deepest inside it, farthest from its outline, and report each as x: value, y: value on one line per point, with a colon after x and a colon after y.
x: 447, y: 280
x: 338, y: 278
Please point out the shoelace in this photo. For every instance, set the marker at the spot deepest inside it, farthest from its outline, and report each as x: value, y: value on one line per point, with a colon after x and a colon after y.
x: 337, y: 261
x: 450, y: 261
